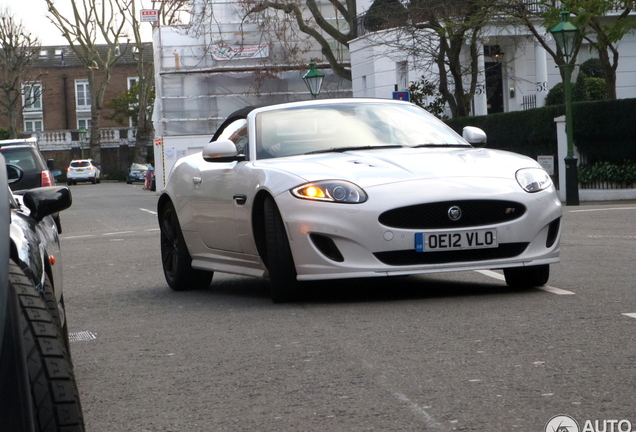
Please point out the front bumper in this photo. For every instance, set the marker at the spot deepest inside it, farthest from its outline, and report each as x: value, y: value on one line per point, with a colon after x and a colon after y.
x: 353, y: 243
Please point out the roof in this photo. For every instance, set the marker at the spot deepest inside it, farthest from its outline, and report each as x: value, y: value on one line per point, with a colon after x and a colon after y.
x: 33, y: 142
x: 63, y: 56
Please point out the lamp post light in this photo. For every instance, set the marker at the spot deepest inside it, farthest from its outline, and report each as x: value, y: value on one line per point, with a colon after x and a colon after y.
x: 82, y: 138
x: 313, y: 78
x: 566, y: 35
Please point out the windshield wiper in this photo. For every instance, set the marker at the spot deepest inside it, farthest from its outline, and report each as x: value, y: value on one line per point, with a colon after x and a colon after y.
x: 352, y: 148
x: 440, y: 145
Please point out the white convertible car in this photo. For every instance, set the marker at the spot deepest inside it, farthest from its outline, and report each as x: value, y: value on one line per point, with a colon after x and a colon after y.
x: 350, y: 188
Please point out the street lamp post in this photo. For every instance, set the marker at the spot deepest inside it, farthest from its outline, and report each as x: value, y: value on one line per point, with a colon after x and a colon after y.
x: 313, y: 78
x: 566, y: 35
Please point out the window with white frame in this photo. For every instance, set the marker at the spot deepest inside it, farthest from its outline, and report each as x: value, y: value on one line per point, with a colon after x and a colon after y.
x: 33, y: 125
x: 32, y: 96
x: 82, y: 95
x: 402, y: 75
x: 132, y: 81
x: 84, y: 123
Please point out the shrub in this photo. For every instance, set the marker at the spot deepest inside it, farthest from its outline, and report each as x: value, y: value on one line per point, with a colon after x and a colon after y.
x: 116, y: 175
x: 622, y: 174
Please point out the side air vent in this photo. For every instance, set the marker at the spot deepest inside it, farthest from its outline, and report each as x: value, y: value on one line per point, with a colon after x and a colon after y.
x: 327, y: 247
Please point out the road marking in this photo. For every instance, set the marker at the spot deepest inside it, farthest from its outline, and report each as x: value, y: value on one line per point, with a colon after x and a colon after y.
x: 116, y: 233
x: 492, y: 274
x: 554, y: 290
x: 546, y: 288
x: 428, y: 419
x: 614, y: 236
x: 631, y: 315
x: 153, y: 229
x: 148, y: 211
x: 80, y: 236
x: 603, y: 209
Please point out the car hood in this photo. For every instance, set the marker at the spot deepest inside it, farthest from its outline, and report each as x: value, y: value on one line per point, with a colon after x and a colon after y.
x: 376, y: 167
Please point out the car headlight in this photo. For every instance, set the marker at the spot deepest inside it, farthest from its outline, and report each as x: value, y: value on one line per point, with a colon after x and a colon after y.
x: 331, y: 191
x: 533, y: 179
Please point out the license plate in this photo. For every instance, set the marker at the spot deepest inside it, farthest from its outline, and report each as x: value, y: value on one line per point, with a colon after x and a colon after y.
x: 455, y: 240
x: 80, y: 170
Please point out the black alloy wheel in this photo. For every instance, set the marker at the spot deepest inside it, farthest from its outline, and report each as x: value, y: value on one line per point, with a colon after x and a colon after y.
x: 175, y: 258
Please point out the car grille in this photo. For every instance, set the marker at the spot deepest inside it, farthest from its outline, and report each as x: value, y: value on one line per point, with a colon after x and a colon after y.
x: 436, y: 215
x: 411, y: 257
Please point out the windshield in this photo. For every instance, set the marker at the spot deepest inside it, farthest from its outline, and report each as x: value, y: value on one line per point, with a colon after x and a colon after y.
x: 348, y: 126
x: 80, y: 164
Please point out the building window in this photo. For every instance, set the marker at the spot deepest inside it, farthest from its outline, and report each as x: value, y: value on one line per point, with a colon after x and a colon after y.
x: 84, y: 123
x: 32, y: 99
x: 82, y: 95
x: 402, y: 75
x: 33, y: 125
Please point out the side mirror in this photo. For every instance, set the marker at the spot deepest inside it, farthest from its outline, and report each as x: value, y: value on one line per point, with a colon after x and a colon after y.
x: 221, y: 151
x: 45, y: 201
x: 474, y: 136
x: 14, y: 173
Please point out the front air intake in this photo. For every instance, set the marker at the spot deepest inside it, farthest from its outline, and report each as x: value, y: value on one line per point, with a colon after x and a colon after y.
x: 327, y: 247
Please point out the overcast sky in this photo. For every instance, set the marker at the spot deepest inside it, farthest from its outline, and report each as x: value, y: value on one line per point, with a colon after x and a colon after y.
x: 32, y: 13
x: 33, y: 16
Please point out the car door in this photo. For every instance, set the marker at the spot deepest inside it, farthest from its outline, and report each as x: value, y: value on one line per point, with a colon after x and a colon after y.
x: 213, y: 198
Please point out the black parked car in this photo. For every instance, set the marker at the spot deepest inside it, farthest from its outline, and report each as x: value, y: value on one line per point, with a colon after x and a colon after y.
x: 37, y: 172
x: 38, y: 391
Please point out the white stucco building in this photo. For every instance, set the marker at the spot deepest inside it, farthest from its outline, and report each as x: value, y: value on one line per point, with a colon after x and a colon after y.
x: 515, y: 69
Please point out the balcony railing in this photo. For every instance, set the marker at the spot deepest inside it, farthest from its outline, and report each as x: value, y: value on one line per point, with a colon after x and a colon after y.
x: 68, y: 139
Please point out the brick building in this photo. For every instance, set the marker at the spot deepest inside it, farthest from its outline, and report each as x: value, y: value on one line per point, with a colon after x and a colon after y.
x: 56, y: 106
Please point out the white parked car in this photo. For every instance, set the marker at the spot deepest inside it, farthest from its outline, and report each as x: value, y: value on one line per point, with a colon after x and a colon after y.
x: 350, y: 188
x: 83, y: 170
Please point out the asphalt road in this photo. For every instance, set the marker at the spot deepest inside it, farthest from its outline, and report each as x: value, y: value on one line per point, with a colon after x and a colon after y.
x: 457, y: 351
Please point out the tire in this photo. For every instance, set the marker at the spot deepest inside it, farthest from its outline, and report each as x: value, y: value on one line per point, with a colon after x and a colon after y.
x: 94, y: 180
x: 128, y: 181
x: 527, y: 277
x: 54, y: 395
x: 175, y: 258
x: 284, y: 286
x: 51, y: 305
x: 153, y: 185
x: 69, y: 182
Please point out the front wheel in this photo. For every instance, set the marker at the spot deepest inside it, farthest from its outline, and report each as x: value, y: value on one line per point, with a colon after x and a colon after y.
x: 175, y: 258
x: 527, y: 277
x: 279, y: 259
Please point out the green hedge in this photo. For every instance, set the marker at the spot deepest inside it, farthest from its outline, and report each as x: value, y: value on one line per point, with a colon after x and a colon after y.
x: 603, y: 130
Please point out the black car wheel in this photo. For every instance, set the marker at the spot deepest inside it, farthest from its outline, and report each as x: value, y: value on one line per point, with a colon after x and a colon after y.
x: 54, y: 396
x: 527, y: 277
x: 175, y: 258
x: 279, y: 260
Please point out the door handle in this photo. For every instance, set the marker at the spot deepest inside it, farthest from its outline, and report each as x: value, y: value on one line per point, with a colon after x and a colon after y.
x: 197, y: 180
x: 240, y: 199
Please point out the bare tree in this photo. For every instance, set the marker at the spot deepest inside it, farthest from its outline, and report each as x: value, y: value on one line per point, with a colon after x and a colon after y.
x: 295, y: 25
x: 18, y: 50
x: 90, y: 25
x: 591, y: 16
x: 442, y: 37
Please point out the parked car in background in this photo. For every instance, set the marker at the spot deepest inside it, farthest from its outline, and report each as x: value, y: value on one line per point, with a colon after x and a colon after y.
x: 137, y: 173
x: 83, y: 170
x: 37, y: 172
x: 20, y: 141
x: 351, y: 188
x: 38, y: 391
